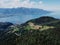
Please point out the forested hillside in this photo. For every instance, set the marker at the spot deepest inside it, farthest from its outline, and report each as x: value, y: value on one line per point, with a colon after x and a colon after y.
x: 41, y: 31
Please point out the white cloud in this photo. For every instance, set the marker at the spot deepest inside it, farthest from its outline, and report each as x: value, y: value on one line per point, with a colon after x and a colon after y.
x: 40, y: 2
x: 18, y: 3
x: 25, y: 3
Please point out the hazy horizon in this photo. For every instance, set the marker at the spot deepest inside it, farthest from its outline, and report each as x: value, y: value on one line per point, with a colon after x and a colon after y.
x: 40, y: 4
x: 50, y: 5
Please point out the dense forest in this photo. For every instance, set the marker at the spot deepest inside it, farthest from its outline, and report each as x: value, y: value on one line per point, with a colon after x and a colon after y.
x: 41, y: 31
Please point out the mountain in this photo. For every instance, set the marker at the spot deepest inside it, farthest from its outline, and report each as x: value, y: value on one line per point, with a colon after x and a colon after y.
x: 4, y: 25
x: 42, y: 23
x: 31, y: 32
x: 23, y: 11
x: 44, y: 19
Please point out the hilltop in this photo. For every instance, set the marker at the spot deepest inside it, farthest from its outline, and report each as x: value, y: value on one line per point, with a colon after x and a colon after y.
x: 42, y: 22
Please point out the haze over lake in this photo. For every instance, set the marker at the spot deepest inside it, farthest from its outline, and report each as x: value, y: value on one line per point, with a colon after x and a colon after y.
x: 19, y: 18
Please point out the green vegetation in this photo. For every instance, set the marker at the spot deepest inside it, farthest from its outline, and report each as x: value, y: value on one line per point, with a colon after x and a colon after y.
x: 27, y: 27
x: 34, y: 37
x: 46, y: 31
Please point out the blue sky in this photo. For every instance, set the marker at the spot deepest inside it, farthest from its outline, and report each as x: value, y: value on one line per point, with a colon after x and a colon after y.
x: 41, y: 4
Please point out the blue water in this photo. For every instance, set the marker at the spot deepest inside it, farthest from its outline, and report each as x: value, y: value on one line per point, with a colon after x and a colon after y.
x: 19, y: 19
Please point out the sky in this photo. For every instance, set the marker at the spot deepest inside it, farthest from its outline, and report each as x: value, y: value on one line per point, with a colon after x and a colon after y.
x: 41, y: 4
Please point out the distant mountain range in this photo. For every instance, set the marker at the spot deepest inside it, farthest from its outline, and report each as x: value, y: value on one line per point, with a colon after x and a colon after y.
x: 24, y: 11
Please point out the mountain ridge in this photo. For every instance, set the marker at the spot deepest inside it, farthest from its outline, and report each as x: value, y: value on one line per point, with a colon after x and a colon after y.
x: 22, y: 10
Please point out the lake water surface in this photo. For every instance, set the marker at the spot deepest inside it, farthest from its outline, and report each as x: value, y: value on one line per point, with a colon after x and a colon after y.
x: 19, y: 19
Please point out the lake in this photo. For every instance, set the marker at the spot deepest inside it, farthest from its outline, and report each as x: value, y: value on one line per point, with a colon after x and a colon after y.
x: 19, y: 19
